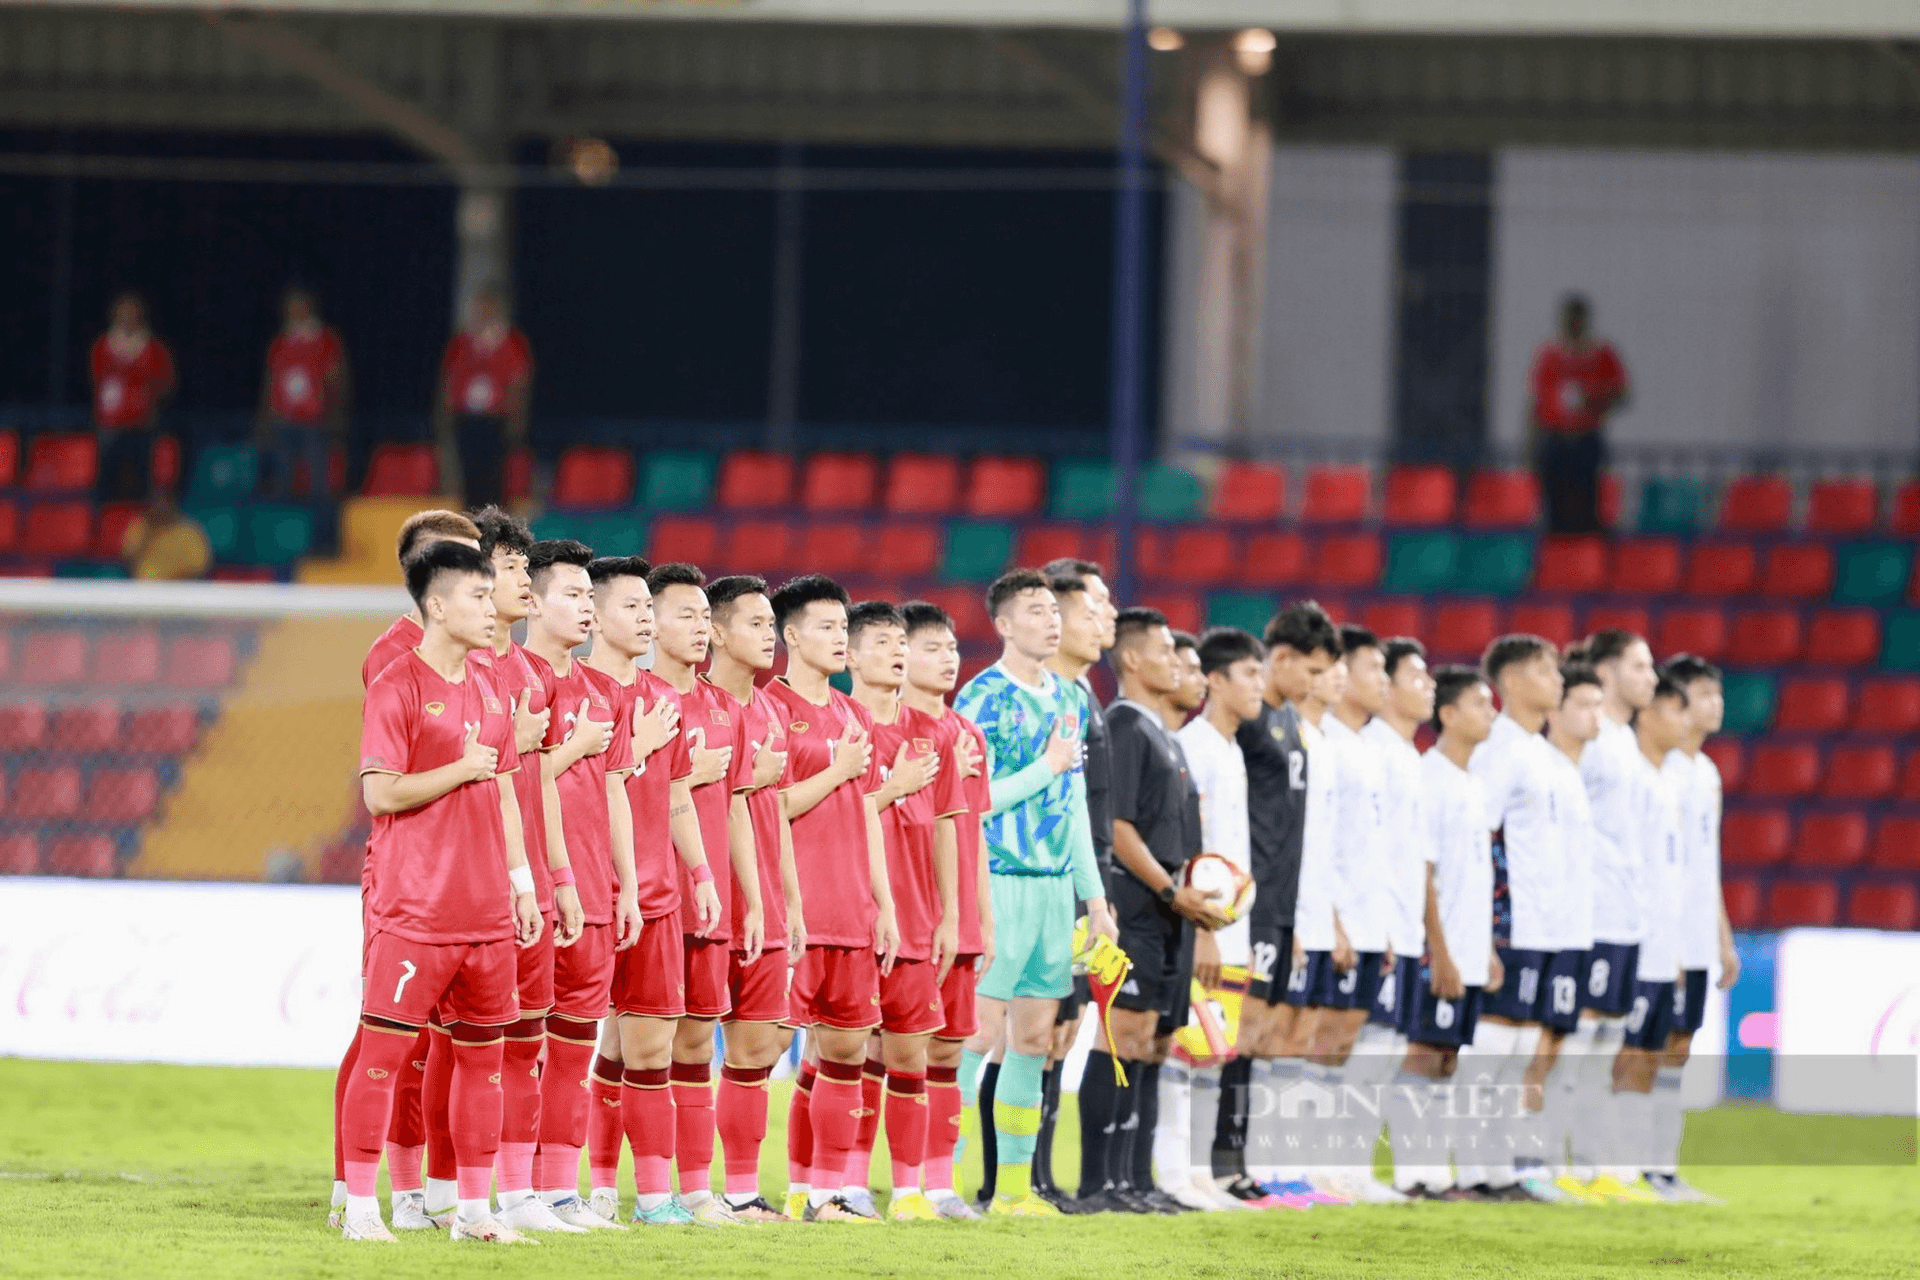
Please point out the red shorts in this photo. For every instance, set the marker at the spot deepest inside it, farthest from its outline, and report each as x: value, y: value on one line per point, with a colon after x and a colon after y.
x: 758, y: 991
x: 836, y: 987
x: 583, y: 974
x: 910, y: 999
x: 406, y: 981
x: 534, y: 981
x: 706, y: 977
x: 956, y: 999
x: 648, y: 978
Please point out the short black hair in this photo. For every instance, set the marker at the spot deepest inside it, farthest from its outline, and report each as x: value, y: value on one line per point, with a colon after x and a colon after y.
x: 1685, y: 668
x: 675, y: 573
x: 1356, y: 637
x: 437, y: 559
x: 1397, y: 649
x: 1667, y: 687
x: 605, y: 569
x: 502, y: 529
x: 1010, y: 584
x: 1129, y: 627
x: 724, y: 593
x: 921, y: 615
x: 1185, y: 640
x: 542, y: 557
x: 1607, y: 644
x: 1509, y: 649
x: 793, y: 597
x: 1449, y: 684
x: 1072, y: 567
x: 1575, y: 674
x: 1303, y: 627
x: 1221, y: 647
x: 872, y: 613
x: 1066, y: 584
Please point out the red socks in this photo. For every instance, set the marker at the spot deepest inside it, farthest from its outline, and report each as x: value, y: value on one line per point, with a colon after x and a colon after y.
x: 563, y: 1103
x: 340, y: 1079
x: 367, y: 1107
x: 407, y: 1130
x: 473, y: 1107
x: 835, y: 1112
x: 800, y: 1126
x: 605, y: 1131
x: 646, y: 1105
x: 520, y: 1103
x: 943, y: 1127
x: 906, y: 1128
x: 741, y: 1113
x: 435, y: 1103
x: 873, y: 1083
x: 693, y: 1125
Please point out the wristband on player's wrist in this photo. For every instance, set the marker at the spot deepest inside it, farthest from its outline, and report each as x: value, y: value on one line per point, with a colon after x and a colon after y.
x: 563, y: 877
x: 702, y: 874
x: 521, y: 878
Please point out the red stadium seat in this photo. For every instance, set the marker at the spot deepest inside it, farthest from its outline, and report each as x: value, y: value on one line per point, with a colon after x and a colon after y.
x: 1273, y: 559
x: 1859, y: 773
x: 23, y: 725
x: 1843, y: 638
x: 1743, y: 899
x: 165, y: 462
x: 908, y: 550
x: 1553, y: 621
x: 1783, y: 770
x: 832, y: 547
x: 1763, y: 637
x: 1801, y: 571
x: 110, y: 534
x: 162, y: 731
x: 53, y: 657
x: 1888, y: 704
x: 751, y: 478
x: 1649, y: 566
x: 1731, y: 759
x: 516, y: 478
x: 968, y: 608
x: 1625, y: 617
x: 839, y: 482
x: 1571, y: 564
x: 593, y: 477
x: 1906, y: 510
x: 126, y: 659
x: 1005, y: 486
x: 1420, y: 495
x: 1803, y: 904
x: 1039, y: 543
x: 1910, y: 779
x: 1346, y: 560
x: 1336, y: 495
x: 1843, y: 506
x: 922, y: 484
x: 9, y: 525
x: 1757, y: 504
x: 1462, y: 629
x: 1394, y: 618
x: 1612, y: 498
x: 60, y: 462
x: 403, y: 471
x: 1755, y: 837
x: 201, y: 662
x: 1884, y: 906
x: 59, y: 529
x: 1250, y: 492
x: 758, y: 545
x: 1701, y: 630
x: 1184, y: 610
x: 1201, y: 555
x: 691, y: 539
x: 46, y: 792
x: 86, y: 728
x: 1896, y: 845
x: 1831, y: 841
x: 1721, y: 569
x: 1812, y: 704
x: 1503, y: 499
x: 9, y: 458
x: 122, y: 796
x: 19, y: 854
x: 90, y: 856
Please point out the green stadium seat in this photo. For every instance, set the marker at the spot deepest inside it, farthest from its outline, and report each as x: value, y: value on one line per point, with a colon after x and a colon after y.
x: 1082, y: 490
x: 614, y: 533
x: 977, y: 550
x: 677, y: 480
x: 226, y: 529
x: 1872, y: 573
x: 1249, y: 611
x: 1494, y: 564
x: 1169, y: 493
x: 1749, y: 698
x: 1421, y: 563
x: 560, y: 524
x: 223, y: 473
x: 1672, y: 506
x: 1902, y: 651
x: 279, y: 533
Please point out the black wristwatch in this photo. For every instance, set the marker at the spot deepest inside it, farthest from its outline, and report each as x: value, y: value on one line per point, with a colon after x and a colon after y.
x: 1166, y: 893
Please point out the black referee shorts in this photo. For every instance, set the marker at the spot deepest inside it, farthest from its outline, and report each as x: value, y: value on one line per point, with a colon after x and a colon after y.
x: 1160, y: 944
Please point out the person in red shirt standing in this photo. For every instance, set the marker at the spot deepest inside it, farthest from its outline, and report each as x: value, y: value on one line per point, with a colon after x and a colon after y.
x: 303, y: 396
x: 1576, y: 382
x: 486, y: 382
x: 454, y: 894
x: 133, y: 378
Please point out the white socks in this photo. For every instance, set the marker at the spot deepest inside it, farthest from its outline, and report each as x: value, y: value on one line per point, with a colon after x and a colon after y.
x: 442, y: 1194
x: 1173, y: 1136
x: 1590, y: 1097
x: 1633, y: 1143
x: 1669, y: 1121
x: 339, y: 1195
x: 473, y: 1210
x: 1411, y: 1107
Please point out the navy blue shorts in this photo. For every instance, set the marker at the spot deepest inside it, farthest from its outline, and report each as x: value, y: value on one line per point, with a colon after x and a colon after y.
x: 1396, y: 1002
x: 1447, y: 1024
x: 1367, y: 990
x: 1325, y: 987
x: 1518, y: 998
x: 1651, y: 1017
x: 1559, y: 1007
x: 1690, y: 1001
x: 1300, y: 976
x: 1606, y: 978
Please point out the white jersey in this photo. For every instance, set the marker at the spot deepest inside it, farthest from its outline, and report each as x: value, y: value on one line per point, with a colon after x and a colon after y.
x: 1219, y: 773
x: 1696, y: 780
x: 1662, y: 876
x: 1361, y: 851
x: 1577, y: 839
x: 1409, y: 844
x: 1459, y: 839
x: 1610, y: 768
x: 1313, y: 905
x: 1518, y: 772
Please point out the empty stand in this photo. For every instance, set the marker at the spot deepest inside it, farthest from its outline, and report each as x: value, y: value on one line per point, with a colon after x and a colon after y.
x: 46, y: 792
x: 832, y: 547
x: 1843, y: 637
x: 1896, y: 844
x: 9, y: 459
x: 1783, y: 770
x: 161, y: 731
x: 1812, y: 704
x: 1889, y: 704
x: 1336, y: 495
x: 1462, y: 629
x: 1199, y: 555
x: 1184, y: 610
x: 1276, y: 558
x: 1250, y: 492
x: 23, y: 725
x: 1394, y: 618
x: 1831, y: 841
x: 922, y: 484
x: 1039, y: 543
x: 58, y: 529
x: 1883, y: 906
x: 1647, y: 566
x: 110, y: 533
x: 1803, y: 904
x: 62, y: 462
x: 1846, y: 506
x: 1757, y: 504
x: 91, y: 856
x: 910, y: 550
x: 1906, y: 510
x: 839, y: 482
x: 1765, y: 637
x: 1576, y: 564
x: 1755, y: 837
x: 1722, y: 569
x: 1346, y: 560
x: 1700, y: 630
x: 1856, y: 772
x: 1502, y: 499
x: 751, y: 478
x: 693, y: 539
x: 85, y: 728
x: 1744, y: 901
x: 1730, y: 757
x: 1420, y: 495
x: 593, y: 478
x: 758, y: 544
x: 402, y: 471
x: 1798, y: 571
x: 1626, y: 617
x: 201, y: 662
x: 122, y: 796
x: 19, y: 854
x: 1553, y: 621
x: 53, y: 657
x: 1005, y: 486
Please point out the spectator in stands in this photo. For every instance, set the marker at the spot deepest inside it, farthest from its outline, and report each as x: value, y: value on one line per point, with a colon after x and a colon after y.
x: 303, y: 397
x: 132, y: 380
x: 485, y: 381
x: 1576, y: 382
x: 165, y: 546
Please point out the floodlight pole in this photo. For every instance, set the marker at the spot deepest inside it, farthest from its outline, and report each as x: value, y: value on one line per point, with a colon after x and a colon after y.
x: 1129, y: 301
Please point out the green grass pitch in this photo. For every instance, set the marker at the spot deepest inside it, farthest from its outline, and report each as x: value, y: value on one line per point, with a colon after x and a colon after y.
x: 203, y: 1173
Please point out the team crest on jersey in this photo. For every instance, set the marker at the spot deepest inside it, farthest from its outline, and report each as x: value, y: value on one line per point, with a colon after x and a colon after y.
x: 435, y: 708
x: 716, y: 715
x: 1277, y: 732
x: 923, y: 745
x: 798, y: 726
x: 491, y: 703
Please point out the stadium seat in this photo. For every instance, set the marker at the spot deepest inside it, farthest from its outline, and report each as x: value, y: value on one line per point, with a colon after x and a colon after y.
x: 1743, y: 900
x: 1843, y: 637
x: 1273, y: 559
x: 1906, y: 510
x: 1005, y: 486
x: 1553, y: 621
x: 1417, y: 563
x: 1250, y: 491
x: 1749, y: 697
x: 1336, y: 495
x: 1784, y: 771
x: 1646, y: 566
x: 1039, y: 543
x: 1699, y: 630
x: 1795, y: 904
x: 9, y: 458
x: 1672, y: 505
x: 1896, y: 845
x: 1346, y: 560
x: 1394, y: 618
x: 1494, y: 564
x: 693, y: 539
x: 758, y: 546
x: 45, y: 792
x: 832, y: 547
x: 1831, y: 841
x: 1856, y: 772
x: 677, y: 480
x: 62, y: 462
x: 1888, y: 704
x: 201, y: 662
x: 282, y: 532
x: 1756, y: 504
x: 1763, y: 638
x: 1721, y: 569
x: 593, y: 478
x: 1872, y: 572
x: 1420, y: 495
x: 1798, y: 571
x: 1462, y: 629
x: 9, y: 524
x: 1626, y: 617
x: 402, y: 471
x: 1502, y: 499
x: 977, y: 550
x: 1082, y: 490
x: 751, y: 478
x: 839, y: 482
x: 89, y: 856
x: 1755, y: 837
x: 23, y: 725
x: 1731, y: 759
x: 223, y: 473
x: 1248, y: 610
x: 53, y: 657
x: 1169, y: 493
x: 1883, y: 906
x: 85, y: 728
x: 19, y: 854
x: 58, y: 529
x: 1201, y: 554
x: 122, y: 796
x: 1902, y: 652
x: 1910, y: 779
x: 922, y: 484
x: 1183, y: 609
x: 968, y: 607
x: 1613, y: 496
x: 161, y: 731
x: 165, y: 462
x: 1843, y: 506
x: 907, y: 550
x: 516, y: 479
x: 1812, y: 704
x: 110, y: 534
x: 1571, y: 564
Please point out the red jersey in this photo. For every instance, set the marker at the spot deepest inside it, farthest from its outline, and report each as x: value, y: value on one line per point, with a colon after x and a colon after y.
x: 649, y: 792
x: 126, y: 388
x: 478, y: 378
x: 906, y: 827
x: 710, y: 718
x: 830, y: 839
x: 1568, y: 385
x: 761, y: 722
x: 514, y: 677
x: 298, y: 367
x: 403, y: 636
x: 978, y: 793
x: 443, y: 868
x: 584, y: 819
